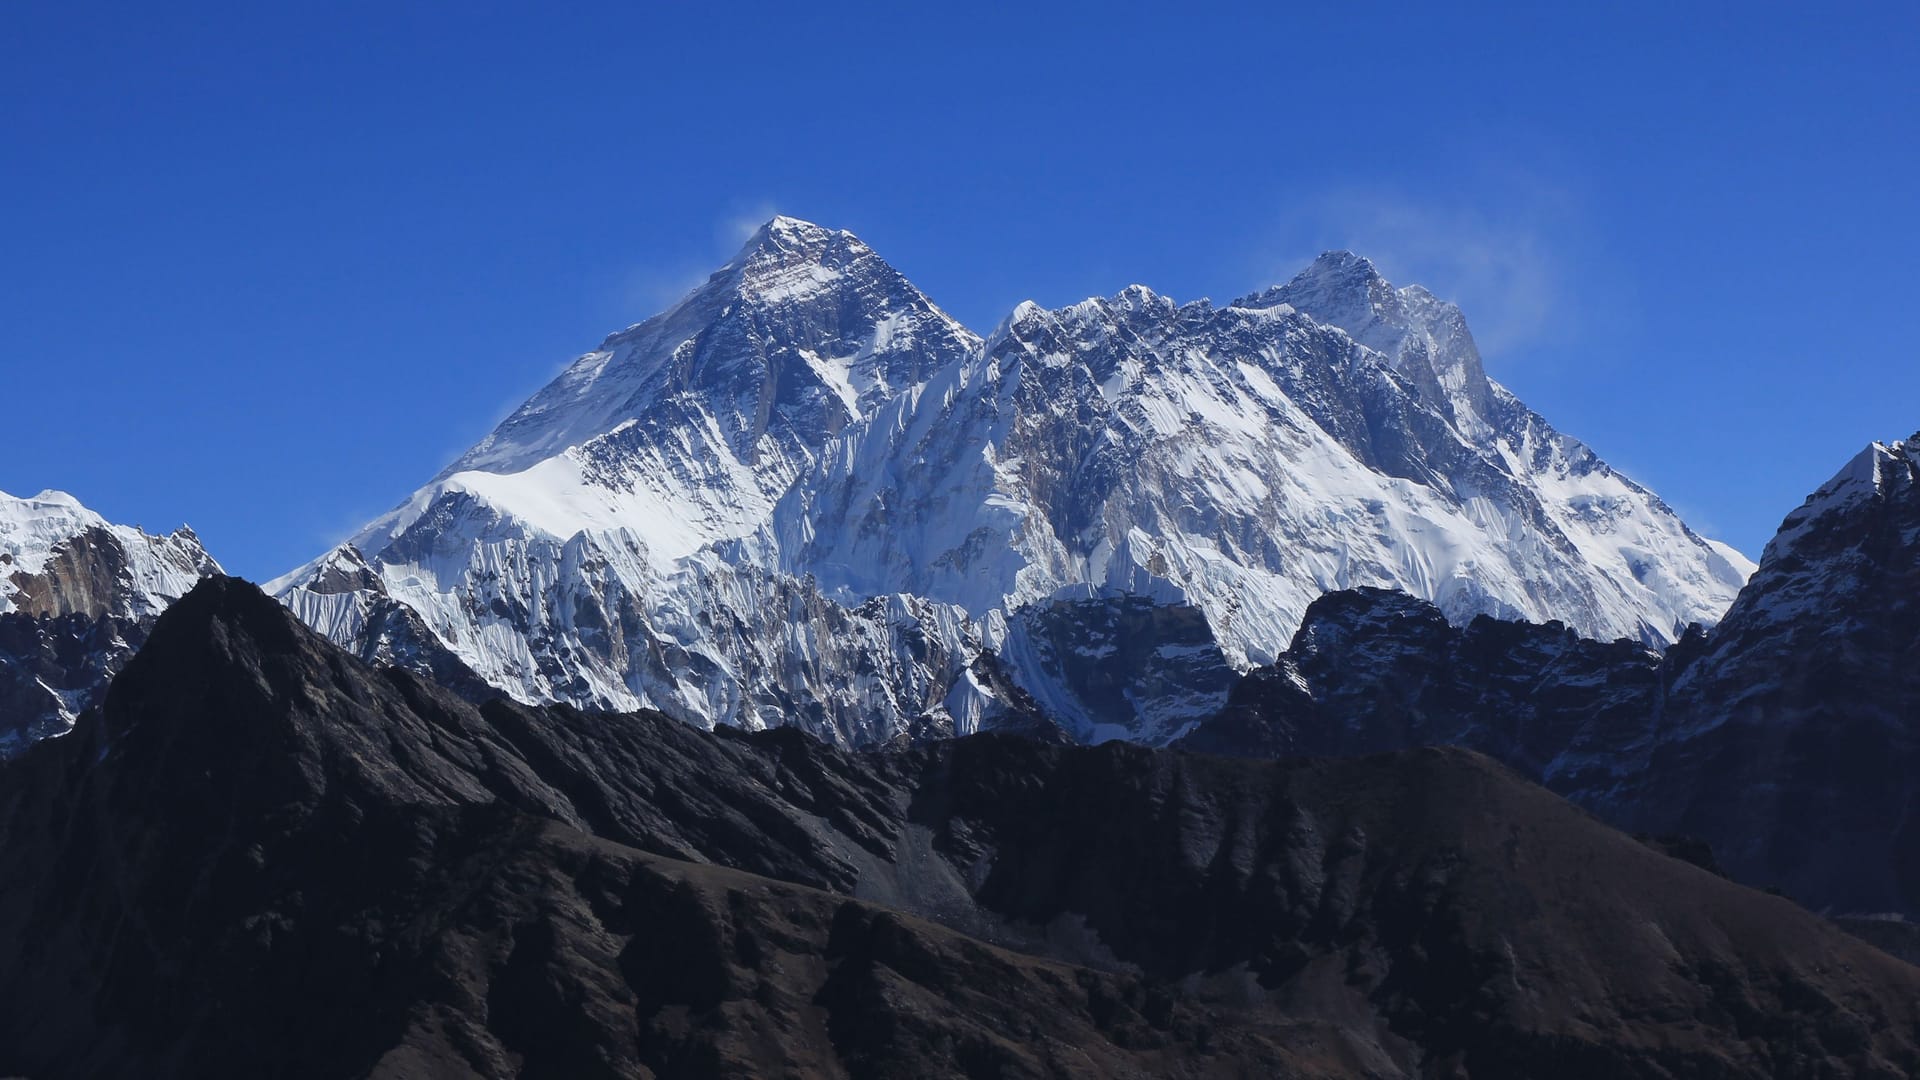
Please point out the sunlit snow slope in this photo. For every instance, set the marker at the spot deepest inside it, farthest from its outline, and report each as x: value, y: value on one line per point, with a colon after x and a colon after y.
x: 805, y: 494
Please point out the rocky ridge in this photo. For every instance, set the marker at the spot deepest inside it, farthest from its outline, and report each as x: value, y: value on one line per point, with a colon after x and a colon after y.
x: 263, y: 856
x: 1784, y: 737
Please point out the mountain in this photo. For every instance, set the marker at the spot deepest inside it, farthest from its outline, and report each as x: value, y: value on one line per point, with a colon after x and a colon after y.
x: 1785, y: 737
x: 262, y: 856
x: 77, y: 597
x: 608, y: 545
x: 806, y: 495
x: 1793, y: 742
x: 1373, y: 670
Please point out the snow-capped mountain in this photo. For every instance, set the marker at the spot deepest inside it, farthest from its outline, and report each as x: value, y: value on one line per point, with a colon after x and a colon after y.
x: 1847, y: 562
x: 1793, y: 741
x: 77, y: 596
x: 1785, y: 737
x: 805, y: 494
x: 609, y: 544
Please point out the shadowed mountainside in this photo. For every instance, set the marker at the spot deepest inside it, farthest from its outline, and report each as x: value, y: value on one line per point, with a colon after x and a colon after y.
x: 1785, y: 737
x: 264, y: 857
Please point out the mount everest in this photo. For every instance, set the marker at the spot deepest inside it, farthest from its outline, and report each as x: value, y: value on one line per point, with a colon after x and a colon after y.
x: 805, y: 494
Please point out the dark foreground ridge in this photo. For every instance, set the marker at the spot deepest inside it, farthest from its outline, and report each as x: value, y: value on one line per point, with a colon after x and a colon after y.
x: 265, y: 858
x: 1785, y: 737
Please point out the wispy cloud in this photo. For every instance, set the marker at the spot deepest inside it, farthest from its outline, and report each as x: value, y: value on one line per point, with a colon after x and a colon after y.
x: 1503, y: 257
x: 740, y: 225
x: 647, y: 290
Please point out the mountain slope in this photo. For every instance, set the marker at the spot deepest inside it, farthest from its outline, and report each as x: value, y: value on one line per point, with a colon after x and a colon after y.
x: 264, y: 857
x: 1794, y: 740
x: 806, y: 434
x: 1244, y: 460
x: 1785, y: 736
x: 608, y: 544
x: 77, y: 596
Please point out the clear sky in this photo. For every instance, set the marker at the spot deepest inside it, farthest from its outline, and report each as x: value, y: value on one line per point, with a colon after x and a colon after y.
x: 267, y: 267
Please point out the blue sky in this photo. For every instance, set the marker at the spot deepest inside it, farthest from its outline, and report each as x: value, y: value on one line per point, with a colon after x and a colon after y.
x: 268, y: 267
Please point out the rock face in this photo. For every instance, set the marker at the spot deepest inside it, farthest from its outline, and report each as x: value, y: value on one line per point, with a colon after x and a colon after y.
x: 610, y: 546
x: 77, y: 597
x: 1793, y: 742
x: 1787, y: 737
x: 264, y: 857
x: 1374, y: 671
x: 806, y: 495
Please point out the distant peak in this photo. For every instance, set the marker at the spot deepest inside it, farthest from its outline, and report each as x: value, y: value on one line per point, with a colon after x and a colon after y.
x: 1340, y: 261
x: 56, y: 497
x: 788, y: 258
x: 1337, y: 278
x: 1861, y: 474
x: 787, y: 223
x: 1339, y: 272
x: 791, y: 235
x: 1023, y: 312
x: 1139, y: 297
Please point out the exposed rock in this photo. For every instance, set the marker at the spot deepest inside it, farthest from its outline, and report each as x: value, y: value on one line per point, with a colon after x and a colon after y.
x: 804, y: 494
x: 1787, y: 737
x: 263, y: 857
x: 77, y: 597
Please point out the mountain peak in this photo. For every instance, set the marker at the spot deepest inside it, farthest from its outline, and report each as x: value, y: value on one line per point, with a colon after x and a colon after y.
x: 1865, y: 472
x: 1421, y: 336
x: 787, y: 239
x: 56, y: 497
x: 1340, y: 262
x: 787, y: 225
x: 789, y: 259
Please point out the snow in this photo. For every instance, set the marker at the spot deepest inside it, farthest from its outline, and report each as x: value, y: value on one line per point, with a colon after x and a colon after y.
x: 805, y: 490
x: 160, y: 568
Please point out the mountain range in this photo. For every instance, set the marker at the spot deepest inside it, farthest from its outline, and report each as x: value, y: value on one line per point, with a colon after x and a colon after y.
x: 264, y: 857
x: 1784, y: 737
x: 806, y: 495
x: 802, y: 684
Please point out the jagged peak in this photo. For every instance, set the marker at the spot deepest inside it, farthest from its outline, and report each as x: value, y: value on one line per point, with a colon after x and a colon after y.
x: 792, y: 235
x: 1023, y: 312
x: 1880, y: 471
x: 1866, y: 469
x: 1337, y: 275
x: 1133, y: 298
x: 1340, y: 261
x: 1862, y: 468
x: 789, y: 259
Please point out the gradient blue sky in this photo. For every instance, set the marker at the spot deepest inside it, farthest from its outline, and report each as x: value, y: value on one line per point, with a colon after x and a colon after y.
x: 267, y: 267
